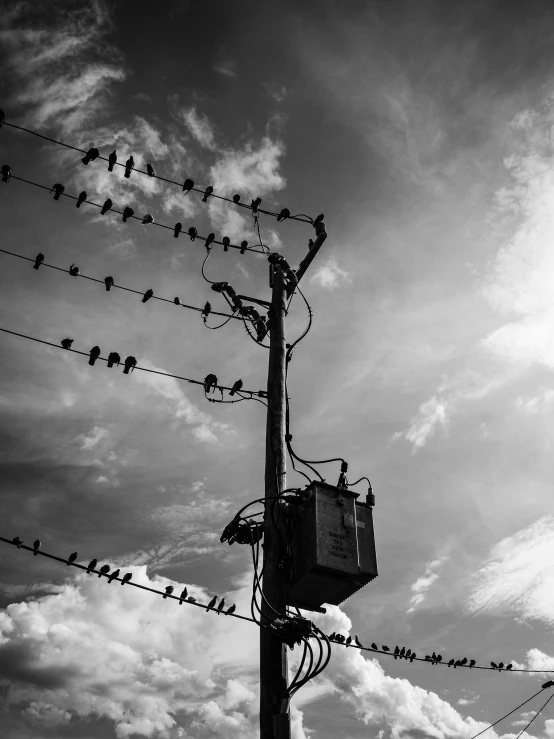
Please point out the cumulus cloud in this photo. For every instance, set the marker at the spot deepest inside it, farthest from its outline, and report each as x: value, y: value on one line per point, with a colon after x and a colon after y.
x: 329, y: 275
x: 433, y: 413
x: 199, y: 126
x: 423, y: 584
x: 518, y: 577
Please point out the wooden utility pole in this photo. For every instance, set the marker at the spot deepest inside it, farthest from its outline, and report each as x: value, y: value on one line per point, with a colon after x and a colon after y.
x: 273, y: 655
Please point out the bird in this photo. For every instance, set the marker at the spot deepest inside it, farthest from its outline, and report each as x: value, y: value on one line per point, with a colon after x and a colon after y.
x: 168, y: 591
x: 129, y: 165
x: 500, y: 665
x: 177, y: 301
x: 91, y: 565
x: 74, y: 271
x: 433, y: 656
x: 285, y: 213
x: 221, y: 606
x: 72, y: 557
x: 36, y: 547
x: 548, y: 684
x: 493, y: 664
x: 207, y: 309
x: 340, y: 638
x: 177, y: 229
x: 113, y: 358
x: 319, y: 218
x: 408, y: 653
x: 191, y: 599
x: 104, y: 570
x: 183, y: 595
x: 94, y: 354
x: 209, y: 239
x: 147, y: 219
x: 209, y: 190
x: 357, y: 642
x: 81, y: 199
x: 113, y: 575
x: 396, y: 651
x: 193, y: 233
x: 210, y: 381
x: 457, y: 663
x: 127, y: 213
x: 385, y: 649
x: 57, y: 189
x: 147, y: 295
x: 402, y: 652
x: 471, y: 662
x: 428, y: 658
x: 188, y: 185
x: 451, y: 662
x: 462, y: 661
x: 331, y: 636
x: 226, y: 241
x: 348, y: 641
x: 231, y: 610
x: 112, y: 159
x: 150, y: 170
x: 439, y: 658
x: 127, y: 577
x: 243, y: 245
x: 374, y: 646
x: 39, y: 259
x: 412, y: 656
x: 105, y: 208
x: 212, y: 603
x: 236, y: 387
x: 91, y: 155
x: 18, y: 542
x: 509, y: 667
x: 6, y: 173
x: 66, y: 343
x: 255, y: 204
x: 130, y: 363
x: 236, y: 198
x: 109, y: 282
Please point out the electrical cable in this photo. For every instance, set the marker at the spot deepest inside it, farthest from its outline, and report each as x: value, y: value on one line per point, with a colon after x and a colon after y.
x: 103, y: 359
x: 119, y: 287
x: 265, y: 346
x: 214, y: 328
x: 299, y: 217
x: 510, y: 713
x: 138, y: 218
x: 212, y: 282
x: 535, y: 716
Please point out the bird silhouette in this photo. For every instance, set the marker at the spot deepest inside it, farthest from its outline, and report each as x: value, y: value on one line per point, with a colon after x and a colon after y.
x: 348, y: 641
x: 209, y: 190
x: 374, y: 646
x: 457, y: 663
x: 81, y: 199
x: 58, y: 190
x: 93, y: 355
x: 177, y: 301
x: 439, y: 658
x: 236, y: 198
x: 255, y: 204
x: 206, y: 310
x: 471, y: 662
x: 72, y: 557
x: 236, y: 387
x: 177, y: 229
x: 193, y: 233
x: 112, y: 159
x: 150, y: 170
x: 509, y: 667
x: 243, y: 245
x: 412, y: 656
x: 428, y: 658
x: 6, y: 173
x: 104, y: 570
x: 127, y: 577
x: 212, y: 603
x: 147, y: 295
x: 127, y: 213
x: 226, y: 242
x: 91, y: 155
x: 463, y: 661
x: 396, y: 651
x: 331, y: 637
x: 450, y: 663
x: 493, y: 664
x: 402, y: 652
x: 385, y: 649
x: 210, y: 381
x: 357, y: 642
x: 548, y: 684
x: 113, y: 575
x: 285, y: 213
x: 129, y: 165
x: 221, y: 606
x: 188, y: 185
x: 36, y: 547
x: 105, y: 208
x: 191, y: 599
x: 39, y: 259
x: 130, y: 364
x: 340, y: 638
x: 183, y: 596
x: 74, y: 271
x: 91, y: 565
x: 18, y: 542
x: 210, y: 238
x: 231, y: 610
x: 66, y: 343
x: 168, y: 591
x: 148, y: 218
x: 109, y: 282
x: 408, y: 653
x: 500, y: 665
x: 433, y: 656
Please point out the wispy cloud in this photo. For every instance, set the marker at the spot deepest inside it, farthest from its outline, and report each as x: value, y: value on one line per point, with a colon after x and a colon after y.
x: 200, y: 127
x: 91, y: 440
x: 330, y: 275
x: 433, y: 413
x: 423, y: 584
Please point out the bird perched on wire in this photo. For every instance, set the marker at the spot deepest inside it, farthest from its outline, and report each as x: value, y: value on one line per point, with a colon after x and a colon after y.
x: 462, y: 661
x: 212, y: 603
x: 58, y: 190
x: 226, y: 241
x: 191, y: 599
x: 127, y: 213
x: 112, y: 159
x: 221, y: 606
x: 471, y: 662
x: 433, y: 656
x: 94, y: 354
x: 168, y: 590
x: 91, y: 155
x: 412, y: 656
x: 130, y: 364
x: 188, y: 185
x: 72, y: 557
x: 255, y: 204
x: 439, y: 659
x: 357, y: 642
x: 113, y: 358
x: 509, y: 667
x: 374, y: 646
x: 147, y: 295
x: 129, y: 165
x: 127, y: 577
x: 210, y: 238
x: 177, y: 301
x: 39, y: 259
x: 36, y: 547
x: 91, y: 565
x: 177, y: 229
x: 451, y: 663
x: 494, y: 665
x: 236, y: 198
x: 74, y: 271
x: 285, y: 213
x: 385, y: 649
x: 150, y: 170
x: 105, y: 208
x: 113, y: 575
x: 236, y: 387
x: 148, y: 218
x: 104, y: 570
x: 81, y: 199
x: 348, y: 641
x: 210, y: 381
x: 231, y: 610
x: 193, y: 233
x: 66, y: 343
x: 396, y: 651
x: 209, y: 190
x: 18, y: 542
x: 206, y: 310
x: 183, y: 595
x: 109, y: 282
x: 408, y: 654
x: 500, y: 665
x: 402, y: 652
x: 6, y: 173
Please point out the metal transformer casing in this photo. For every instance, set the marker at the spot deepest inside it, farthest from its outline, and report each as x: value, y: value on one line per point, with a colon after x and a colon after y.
x: 333, y: 547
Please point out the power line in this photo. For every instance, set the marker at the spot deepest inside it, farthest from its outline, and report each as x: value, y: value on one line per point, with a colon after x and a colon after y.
x: 281, y: 216
x: 121, y: 287
x: 260, y: 393
x: 130, y: 215
x: 514, y: 710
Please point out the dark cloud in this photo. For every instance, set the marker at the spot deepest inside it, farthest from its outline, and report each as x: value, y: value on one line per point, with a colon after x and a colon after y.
x: 20, y: 663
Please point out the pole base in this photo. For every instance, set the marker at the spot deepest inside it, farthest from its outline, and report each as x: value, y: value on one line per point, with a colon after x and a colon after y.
x: 281, y: 725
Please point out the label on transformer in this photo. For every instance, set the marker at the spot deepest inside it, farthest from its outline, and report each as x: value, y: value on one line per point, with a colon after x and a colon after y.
x: 337, y: 540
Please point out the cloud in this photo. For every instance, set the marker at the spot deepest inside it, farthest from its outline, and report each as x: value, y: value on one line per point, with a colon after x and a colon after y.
x: 93, y: 438
x: 278, y: 93
x: 329, y: 275
x: 433, y: 412
x: 468, y: 701
x: 200, y: 127
x: 518, y: 577
x: 125, y: 249
x: 536, y: 403
x: 226, y: 67
x: 142, y: 96
x: 422, y: 585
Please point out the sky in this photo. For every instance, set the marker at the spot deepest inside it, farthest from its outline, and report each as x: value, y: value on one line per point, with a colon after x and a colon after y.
x: 424, y: 132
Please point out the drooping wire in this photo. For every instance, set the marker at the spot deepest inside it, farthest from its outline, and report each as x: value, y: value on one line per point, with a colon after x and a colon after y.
x: 141, y: 369
x: 299, y: 217
x: 535, y: 716
x: 120, y: 287
x: 510, y: 713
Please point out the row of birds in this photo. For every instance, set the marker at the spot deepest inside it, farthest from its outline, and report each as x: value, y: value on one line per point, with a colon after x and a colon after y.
x: 114, y: 575
x: 404, y: 653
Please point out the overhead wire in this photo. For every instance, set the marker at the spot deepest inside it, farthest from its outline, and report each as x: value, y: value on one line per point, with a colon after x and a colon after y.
x: 513, y: 711
x: 299, y: 217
